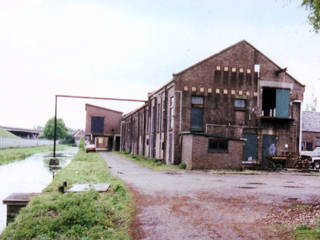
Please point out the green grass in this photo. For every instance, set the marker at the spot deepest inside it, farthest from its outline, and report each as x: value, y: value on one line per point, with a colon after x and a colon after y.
x: 304, y: 232
x: 7, y: 134
x: 13, y: 154
x: 152, y: 163
x: 87, y: 215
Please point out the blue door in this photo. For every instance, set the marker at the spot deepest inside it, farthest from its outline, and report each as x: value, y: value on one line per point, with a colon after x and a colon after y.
x: 250, y: 147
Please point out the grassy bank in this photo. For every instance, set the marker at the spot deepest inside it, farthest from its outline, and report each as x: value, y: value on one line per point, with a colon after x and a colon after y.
x: 152, y: 163
x: 87, y: 215
x: 12, y: 154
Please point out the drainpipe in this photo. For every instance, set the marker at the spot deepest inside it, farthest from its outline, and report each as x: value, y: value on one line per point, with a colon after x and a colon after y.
x: 138, y: 135
x: 300, y: 132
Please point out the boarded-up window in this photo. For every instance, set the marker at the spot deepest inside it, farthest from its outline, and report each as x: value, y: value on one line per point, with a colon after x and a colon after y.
x: 97, y: 124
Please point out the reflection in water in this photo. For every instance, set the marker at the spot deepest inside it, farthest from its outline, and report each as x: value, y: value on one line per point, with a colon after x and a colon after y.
x: 30, y: 175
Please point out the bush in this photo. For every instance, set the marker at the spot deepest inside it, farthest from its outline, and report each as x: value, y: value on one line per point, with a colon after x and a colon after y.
x: 182, y: 166
x: 82, y: 143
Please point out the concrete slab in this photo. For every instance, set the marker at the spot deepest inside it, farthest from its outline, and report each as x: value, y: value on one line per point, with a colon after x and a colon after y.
x: 100, y: 187
x: 19, y: 198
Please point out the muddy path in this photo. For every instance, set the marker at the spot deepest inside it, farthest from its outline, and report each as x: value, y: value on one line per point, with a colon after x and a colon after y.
x: 198, y: 205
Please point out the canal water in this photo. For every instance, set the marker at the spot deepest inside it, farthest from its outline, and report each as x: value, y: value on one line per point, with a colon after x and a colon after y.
x: 30, y: 175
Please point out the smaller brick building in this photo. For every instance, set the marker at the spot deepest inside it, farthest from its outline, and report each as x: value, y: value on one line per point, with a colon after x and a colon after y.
x: 199, y: 151
x: 103, y: 127
x: 310, y: 130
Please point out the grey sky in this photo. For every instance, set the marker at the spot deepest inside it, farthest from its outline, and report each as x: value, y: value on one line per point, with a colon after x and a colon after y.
x: 124, y: 49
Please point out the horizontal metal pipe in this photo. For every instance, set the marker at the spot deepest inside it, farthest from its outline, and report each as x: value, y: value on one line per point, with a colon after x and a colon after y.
x: 101, y: 98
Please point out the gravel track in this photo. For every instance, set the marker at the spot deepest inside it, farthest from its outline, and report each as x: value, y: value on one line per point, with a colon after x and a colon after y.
x: 202, y: 205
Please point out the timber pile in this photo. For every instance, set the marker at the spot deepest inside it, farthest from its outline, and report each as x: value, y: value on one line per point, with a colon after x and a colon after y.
x: 287, y: 160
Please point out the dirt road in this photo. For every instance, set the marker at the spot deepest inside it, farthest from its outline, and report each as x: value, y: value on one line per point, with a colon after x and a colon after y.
x: 197, y: 205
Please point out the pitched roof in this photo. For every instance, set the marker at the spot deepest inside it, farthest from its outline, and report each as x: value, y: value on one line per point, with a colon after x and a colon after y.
x: 227, y: 49
x: 310, y: 121
x: 108, y: 109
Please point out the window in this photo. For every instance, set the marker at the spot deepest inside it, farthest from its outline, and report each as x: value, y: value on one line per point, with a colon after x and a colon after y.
x: 197, y: 110
x: 240, y: 103
x: 171, y: 112
x: 159, y: 117
x: 317, y: 142
x: 197, y: 100
x: 97, y: 124
x: 309, y: 146
x: 275, y: 102
x: 218, y: 145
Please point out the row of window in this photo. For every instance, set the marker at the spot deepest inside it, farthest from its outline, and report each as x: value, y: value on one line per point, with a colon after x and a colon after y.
x: 197, y: 111
x: 308, y: 146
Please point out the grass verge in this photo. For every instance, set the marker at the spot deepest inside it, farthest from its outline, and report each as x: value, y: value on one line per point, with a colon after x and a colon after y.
x: 304, y: 232
x: 87, y: 215
x: 152, y: 163
x: 9, y: 155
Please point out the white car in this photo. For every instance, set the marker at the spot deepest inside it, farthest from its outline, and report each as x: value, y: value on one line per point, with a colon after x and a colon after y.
x: 313, y: 157
x: 91, y: 148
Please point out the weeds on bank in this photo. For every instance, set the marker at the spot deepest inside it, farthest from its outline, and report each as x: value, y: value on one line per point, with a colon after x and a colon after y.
x: 12, y: 154
x: 87, y: 215
x: 153, y: 163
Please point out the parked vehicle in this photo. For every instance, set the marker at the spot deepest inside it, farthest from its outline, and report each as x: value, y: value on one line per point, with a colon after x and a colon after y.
x: 91, y: 148
x: 313, y: 157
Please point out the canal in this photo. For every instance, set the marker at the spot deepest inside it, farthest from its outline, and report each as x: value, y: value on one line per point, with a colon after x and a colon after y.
x: 30, y: 175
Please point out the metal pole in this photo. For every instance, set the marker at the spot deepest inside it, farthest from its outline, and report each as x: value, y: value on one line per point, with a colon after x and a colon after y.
x: 102, y: 98
x: 55, y: 128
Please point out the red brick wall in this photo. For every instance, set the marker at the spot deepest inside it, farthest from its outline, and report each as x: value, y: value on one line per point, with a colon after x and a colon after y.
x: 195, y: 154
x: 112, y: 119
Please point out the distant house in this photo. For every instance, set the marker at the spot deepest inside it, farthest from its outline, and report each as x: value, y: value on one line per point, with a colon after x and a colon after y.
x: 103, y: 127
x: 310, y: 130
x: 78, y: 135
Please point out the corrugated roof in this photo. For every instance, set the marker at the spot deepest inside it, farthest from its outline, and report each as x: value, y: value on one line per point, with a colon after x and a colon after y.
x: 310, y: 121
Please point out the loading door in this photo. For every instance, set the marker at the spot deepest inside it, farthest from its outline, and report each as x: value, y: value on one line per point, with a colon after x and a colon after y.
x: 269, y: 147
x: 249, y: 147
x: 282, y: 103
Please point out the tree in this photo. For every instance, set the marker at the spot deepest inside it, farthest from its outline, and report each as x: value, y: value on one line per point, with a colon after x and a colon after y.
x: 314, y: 16
x: 48, y: 131
x: 312, y: 106
x: 82, y: 143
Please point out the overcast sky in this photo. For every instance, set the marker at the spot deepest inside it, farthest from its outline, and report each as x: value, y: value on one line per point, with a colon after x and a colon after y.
x: 124, y: 49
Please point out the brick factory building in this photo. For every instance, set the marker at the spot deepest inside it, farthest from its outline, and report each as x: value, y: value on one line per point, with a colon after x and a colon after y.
x: 233, y: 107
x: 103, y: 127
